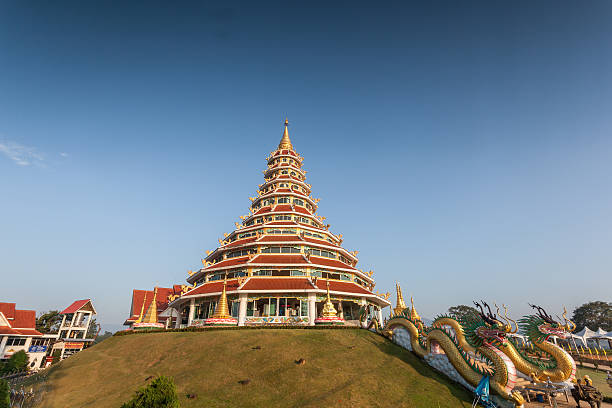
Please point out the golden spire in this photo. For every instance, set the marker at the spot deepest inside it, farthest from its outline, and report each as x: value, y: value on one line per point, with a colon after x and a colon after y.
x: 151, y: 316
x: 285, y: 142
x: 328, y: 308
x: 400, y: 305
x: 413, y: 313
x: 222, y: 311
x: 140, y: 316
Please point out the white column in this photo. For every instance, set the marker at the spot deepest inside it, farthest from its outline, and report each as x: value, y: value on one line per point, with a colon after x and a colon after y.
x: 364, y: 303
x: 312, y: 308
x: 380, y: 320
x: 242, y: 309
x: 191, y: 311
x: 179, y: 318
x: 3, y: 344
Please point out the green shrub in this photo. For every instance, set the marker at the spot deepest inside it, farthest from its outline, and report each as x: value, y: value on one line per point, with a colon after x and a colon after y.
x: 17, y: 362
x: 57, y: 353
x: 5, y: 401
x: 160, y: 393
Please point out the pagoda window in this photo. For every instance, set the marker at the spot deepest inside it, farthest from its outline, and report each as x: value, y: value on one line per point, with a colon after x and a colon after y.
x: 263, y: 272
x: 290, y: 250
x: 345, y: 277
x: 235, y: 306
x: 216, y: 276
x: 318, y: 274
x: 251, y: 222
x: 284, y: 200
x: 282, y: 218
x: 251, y: 307
x: 293, y: 173
x: 285, y: 160
x: 328, y: 275
x: 285, y: 172
x: 289, y: 231
x: 298, y: 273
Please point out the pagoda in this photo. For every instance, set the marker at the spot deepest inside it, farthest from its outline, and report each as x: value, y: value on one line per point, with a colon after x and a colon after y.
x: 280, y: 265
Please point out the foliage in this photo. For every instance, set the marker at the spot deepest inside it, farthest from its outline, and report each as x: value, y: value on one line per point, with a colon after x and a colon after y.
x: 462, y: 311
x: 49, y: 322
x: 17, y: 362
x: 593, y: 315
x: 5, y: 397
x: 57, y: 353
x: 160, y: 393
x: 94, y: 327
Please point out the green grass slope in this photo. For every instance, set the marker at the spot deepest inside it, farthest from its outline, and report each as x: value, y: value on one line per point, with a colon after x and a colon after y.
x: 344, y: 368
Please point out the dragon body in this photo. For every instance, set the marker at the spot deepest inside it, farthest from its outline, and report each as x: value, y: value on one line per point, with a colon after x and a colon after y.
x: 471, y: 346
x: 555, y: 364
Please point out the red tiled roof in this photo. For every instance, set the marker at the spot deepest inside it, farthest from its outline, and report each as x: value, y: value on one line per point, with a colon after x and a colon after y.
x: 24, y: 319
x: 241, y: 241
x: 280, y: 238
x: 278, y: 259
x: 213, y: 287
x: 302, y: 210
x: 281, y: 223
x: 7, y: 330
x: 318, y: 241
x: 262, y: 210
x: 75, y: 306
x: 329, y: 262
x: 29, y: 332
x: 277, y: 284
x: 230, y: 262
x: 348, y: 287
x: 138, y: 296
x: 282, y: 190
x: 282, y: 207
x: 8, y: 310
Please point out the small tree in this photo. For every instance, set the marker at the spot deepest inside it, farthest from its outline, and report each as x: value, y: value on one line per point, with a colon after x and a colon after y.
x: 57, y: 353
x: 49, y: 322
x: 593, y: 315
x: 17, y: 362
x: 461, y: 311
x: 160, y: 393
x: 5, y: 395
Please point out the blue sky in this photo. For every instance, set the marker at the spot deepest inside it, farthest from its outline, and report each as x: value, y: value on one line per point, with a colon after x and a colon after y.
x: 463, y: 148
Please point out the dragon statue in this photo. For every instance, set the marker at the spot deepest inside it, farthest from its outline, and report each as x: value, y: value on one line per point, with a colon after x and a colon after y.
x: 551, y: 362
x: 471, y: 344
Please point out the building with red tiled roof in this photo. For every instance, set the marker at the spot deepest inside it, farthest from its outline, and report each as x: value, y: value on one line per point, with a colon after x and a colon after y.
x: 281, y: 265
x: 18, y: 332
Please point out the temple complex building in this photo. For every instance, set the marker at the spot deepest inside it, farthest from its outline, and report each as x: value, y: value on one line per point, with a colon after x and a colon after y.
x: 280, y: 265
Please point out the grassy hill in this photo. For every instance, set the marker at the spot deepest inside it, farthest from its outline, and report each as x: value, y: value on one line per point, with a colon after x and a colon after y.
x: 344, y: 368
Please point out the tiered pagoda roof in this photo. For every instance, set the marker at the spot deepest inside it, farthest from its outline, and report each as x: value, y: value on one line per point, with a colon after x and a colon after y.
x: 281, y: 237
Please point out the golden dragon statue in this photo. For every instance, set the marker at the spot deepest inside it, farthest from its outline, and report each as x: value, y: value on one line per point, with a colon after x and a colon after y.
x: 551, y: 362
x: 471, y: 344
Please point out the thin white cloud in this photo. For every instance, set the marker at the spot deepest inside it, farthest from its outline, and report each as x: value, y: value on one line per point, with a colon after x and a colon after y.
x: 22, y: 155
x: 64, y: 154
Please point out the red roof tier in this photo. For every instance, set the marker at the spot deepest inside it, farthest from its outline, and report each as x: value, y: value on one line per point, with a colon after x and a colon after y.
x: 278, y: 259
x: 75, y: 306
x: 277, y: 284
x: 8, y: 310
x: 347, y: 287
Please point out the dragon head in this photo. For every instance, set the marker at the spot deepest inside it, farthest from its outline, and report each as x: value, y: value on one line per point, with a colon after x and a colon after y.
x: 484, y: 327
x: 541, y: 326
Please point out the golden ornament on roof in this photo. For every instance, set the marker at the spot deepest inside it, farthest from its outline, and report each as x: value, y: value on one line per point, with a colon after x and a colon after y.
x: 285, y: 142
x: 400, y: 305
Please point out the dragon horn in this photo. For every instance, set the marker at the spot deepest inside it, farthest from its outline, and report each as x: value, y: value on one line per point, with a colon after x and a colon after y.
x: 491, y: 315
x: 502, y: 317
x: 480, y: 307
x: 568, y: 323
x: 506, y: 317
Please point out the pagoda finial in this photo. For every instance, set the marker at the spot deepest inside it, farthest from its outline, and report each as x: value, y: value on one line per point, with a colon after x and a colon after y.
x: 141, y: 315
x: 400, y: 304
x: 328, y: 308
x: 285, y: 142
x: 413, y: 313
x: 222, y: 311
x: 151, y: 315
